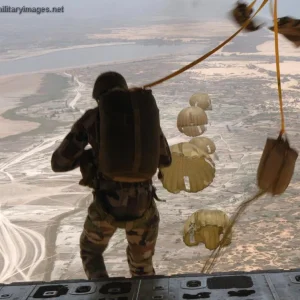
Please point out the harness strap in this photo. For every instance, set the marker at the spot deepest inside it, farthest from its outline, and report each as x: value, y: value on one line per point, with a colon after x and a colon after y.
x: 155, y: 195
x: 105, y: 185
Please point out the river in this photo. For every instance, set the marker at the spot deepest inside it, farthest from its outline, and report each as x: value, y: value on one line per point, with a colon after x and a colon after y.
x: 69, y: 58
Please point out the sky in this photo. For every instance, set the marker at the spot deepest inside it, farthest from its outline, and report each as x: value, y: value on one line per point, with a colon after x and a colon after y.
x: 124, y: 9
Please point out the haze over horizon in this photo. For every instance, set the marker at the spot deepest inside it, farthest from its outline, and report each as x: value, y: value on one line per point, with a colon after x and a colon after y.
x: 118, y: 11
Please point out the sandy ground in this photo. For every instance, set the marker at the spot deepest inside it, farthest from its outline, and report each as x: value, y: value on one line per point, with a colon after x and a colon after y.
x: 13, y: 88
x: 267, y: 48
x: 184, y: 32
x: 55, y: 206
x: 30, y: 229
x: 18, y: 54
x: 225, y: 69
x: 285, y: 48
x: 266, y: 237
x: 286, y: 67
x: 249, y: 70
x: 9, y: 127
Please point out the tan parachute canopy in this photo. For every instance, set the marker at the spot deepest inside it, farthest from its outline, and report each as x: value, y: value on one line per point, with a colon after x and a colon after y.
x: 204, y: 143
x: 190, y: 163
x: 191, y: 121
x: 201, y: 100
x: 206, y: 226
x: 250, y: 26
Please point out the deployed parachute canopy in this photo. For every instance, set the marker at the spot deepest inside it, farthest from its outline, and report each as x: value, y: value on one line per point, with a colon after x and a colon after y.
x: 201, y: 100
x: 206, y: 226
x: 191, y: 121
x: 204, y: 143
x: 289, y: 28
x: 242, y: 13
x: 188, y: 163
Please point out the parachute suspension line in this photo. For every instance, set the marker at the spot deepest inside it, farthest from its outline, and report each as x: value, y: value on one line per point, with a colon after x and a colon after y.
x: 282, y: 131
x: 251, y: 5
x: 271, y: 9
x: 210, y: 262
x: 197, y: 61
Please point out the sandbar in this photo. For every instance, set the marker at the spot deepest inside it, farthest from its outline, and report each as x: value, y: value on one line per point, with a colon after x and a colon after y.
x: 13, y: 89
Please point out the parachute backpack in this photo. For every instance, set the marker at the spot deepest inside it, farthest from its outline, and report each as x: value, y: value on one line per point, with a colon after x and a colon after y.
x: 129, y: 135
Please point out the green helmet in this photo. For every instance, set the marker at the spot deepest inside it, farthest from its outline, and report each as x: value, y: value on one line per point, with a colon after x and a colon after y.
x: 107, y: 81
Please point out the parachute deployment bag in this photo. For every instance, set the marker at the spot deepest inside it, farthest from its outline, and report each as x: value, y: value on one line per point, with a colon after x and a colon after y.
x: 276, y: 166
x: 129, y: 135
x: 242, y: 13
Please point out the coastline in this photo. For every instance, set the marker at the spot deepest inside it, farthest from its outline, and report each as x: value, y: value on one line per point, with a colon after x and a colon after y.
x: 13, y: 89
x: 38, y: 52
x: 108, y: 63
x: 261, y: 45
x: 53, y: 87
x: 16, y: 126
x: 132, y: 35
x: 108, y: 56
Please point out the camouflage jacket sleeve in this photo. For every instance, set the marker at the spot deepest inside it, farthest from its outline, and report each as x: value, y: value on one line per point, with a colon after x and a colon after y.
x: 165, y: 158
x: 67, y: 156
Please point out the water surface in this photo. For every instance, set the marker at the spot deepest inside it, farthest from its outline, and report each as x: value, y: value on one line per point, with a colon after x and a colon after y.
x: 69, y: 58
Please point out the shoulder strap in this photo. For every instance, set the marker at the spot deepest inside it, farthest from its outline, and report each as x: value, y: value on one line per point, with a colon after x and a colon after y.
x: 97, y: 150
x: 155, y: 195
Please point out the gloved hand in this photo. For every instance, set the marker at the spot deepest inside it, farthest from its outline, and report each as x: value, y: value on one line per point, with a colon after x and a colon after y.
x: 88, y: 168
x: 160, y: 175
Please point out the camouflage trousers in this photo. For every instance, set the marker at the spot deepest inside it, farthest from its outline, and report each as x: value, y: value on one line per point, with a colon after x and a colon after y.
x: 99, y: 227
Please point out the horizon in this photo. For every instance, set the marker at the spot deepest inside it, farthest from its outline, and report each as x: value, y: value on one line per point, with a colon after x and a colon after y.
x: 116, y: 12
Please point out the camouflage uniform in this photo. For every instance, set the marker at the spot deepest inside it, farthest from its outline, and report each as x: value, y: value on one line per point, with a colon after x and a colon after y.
x: 130, y: 206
